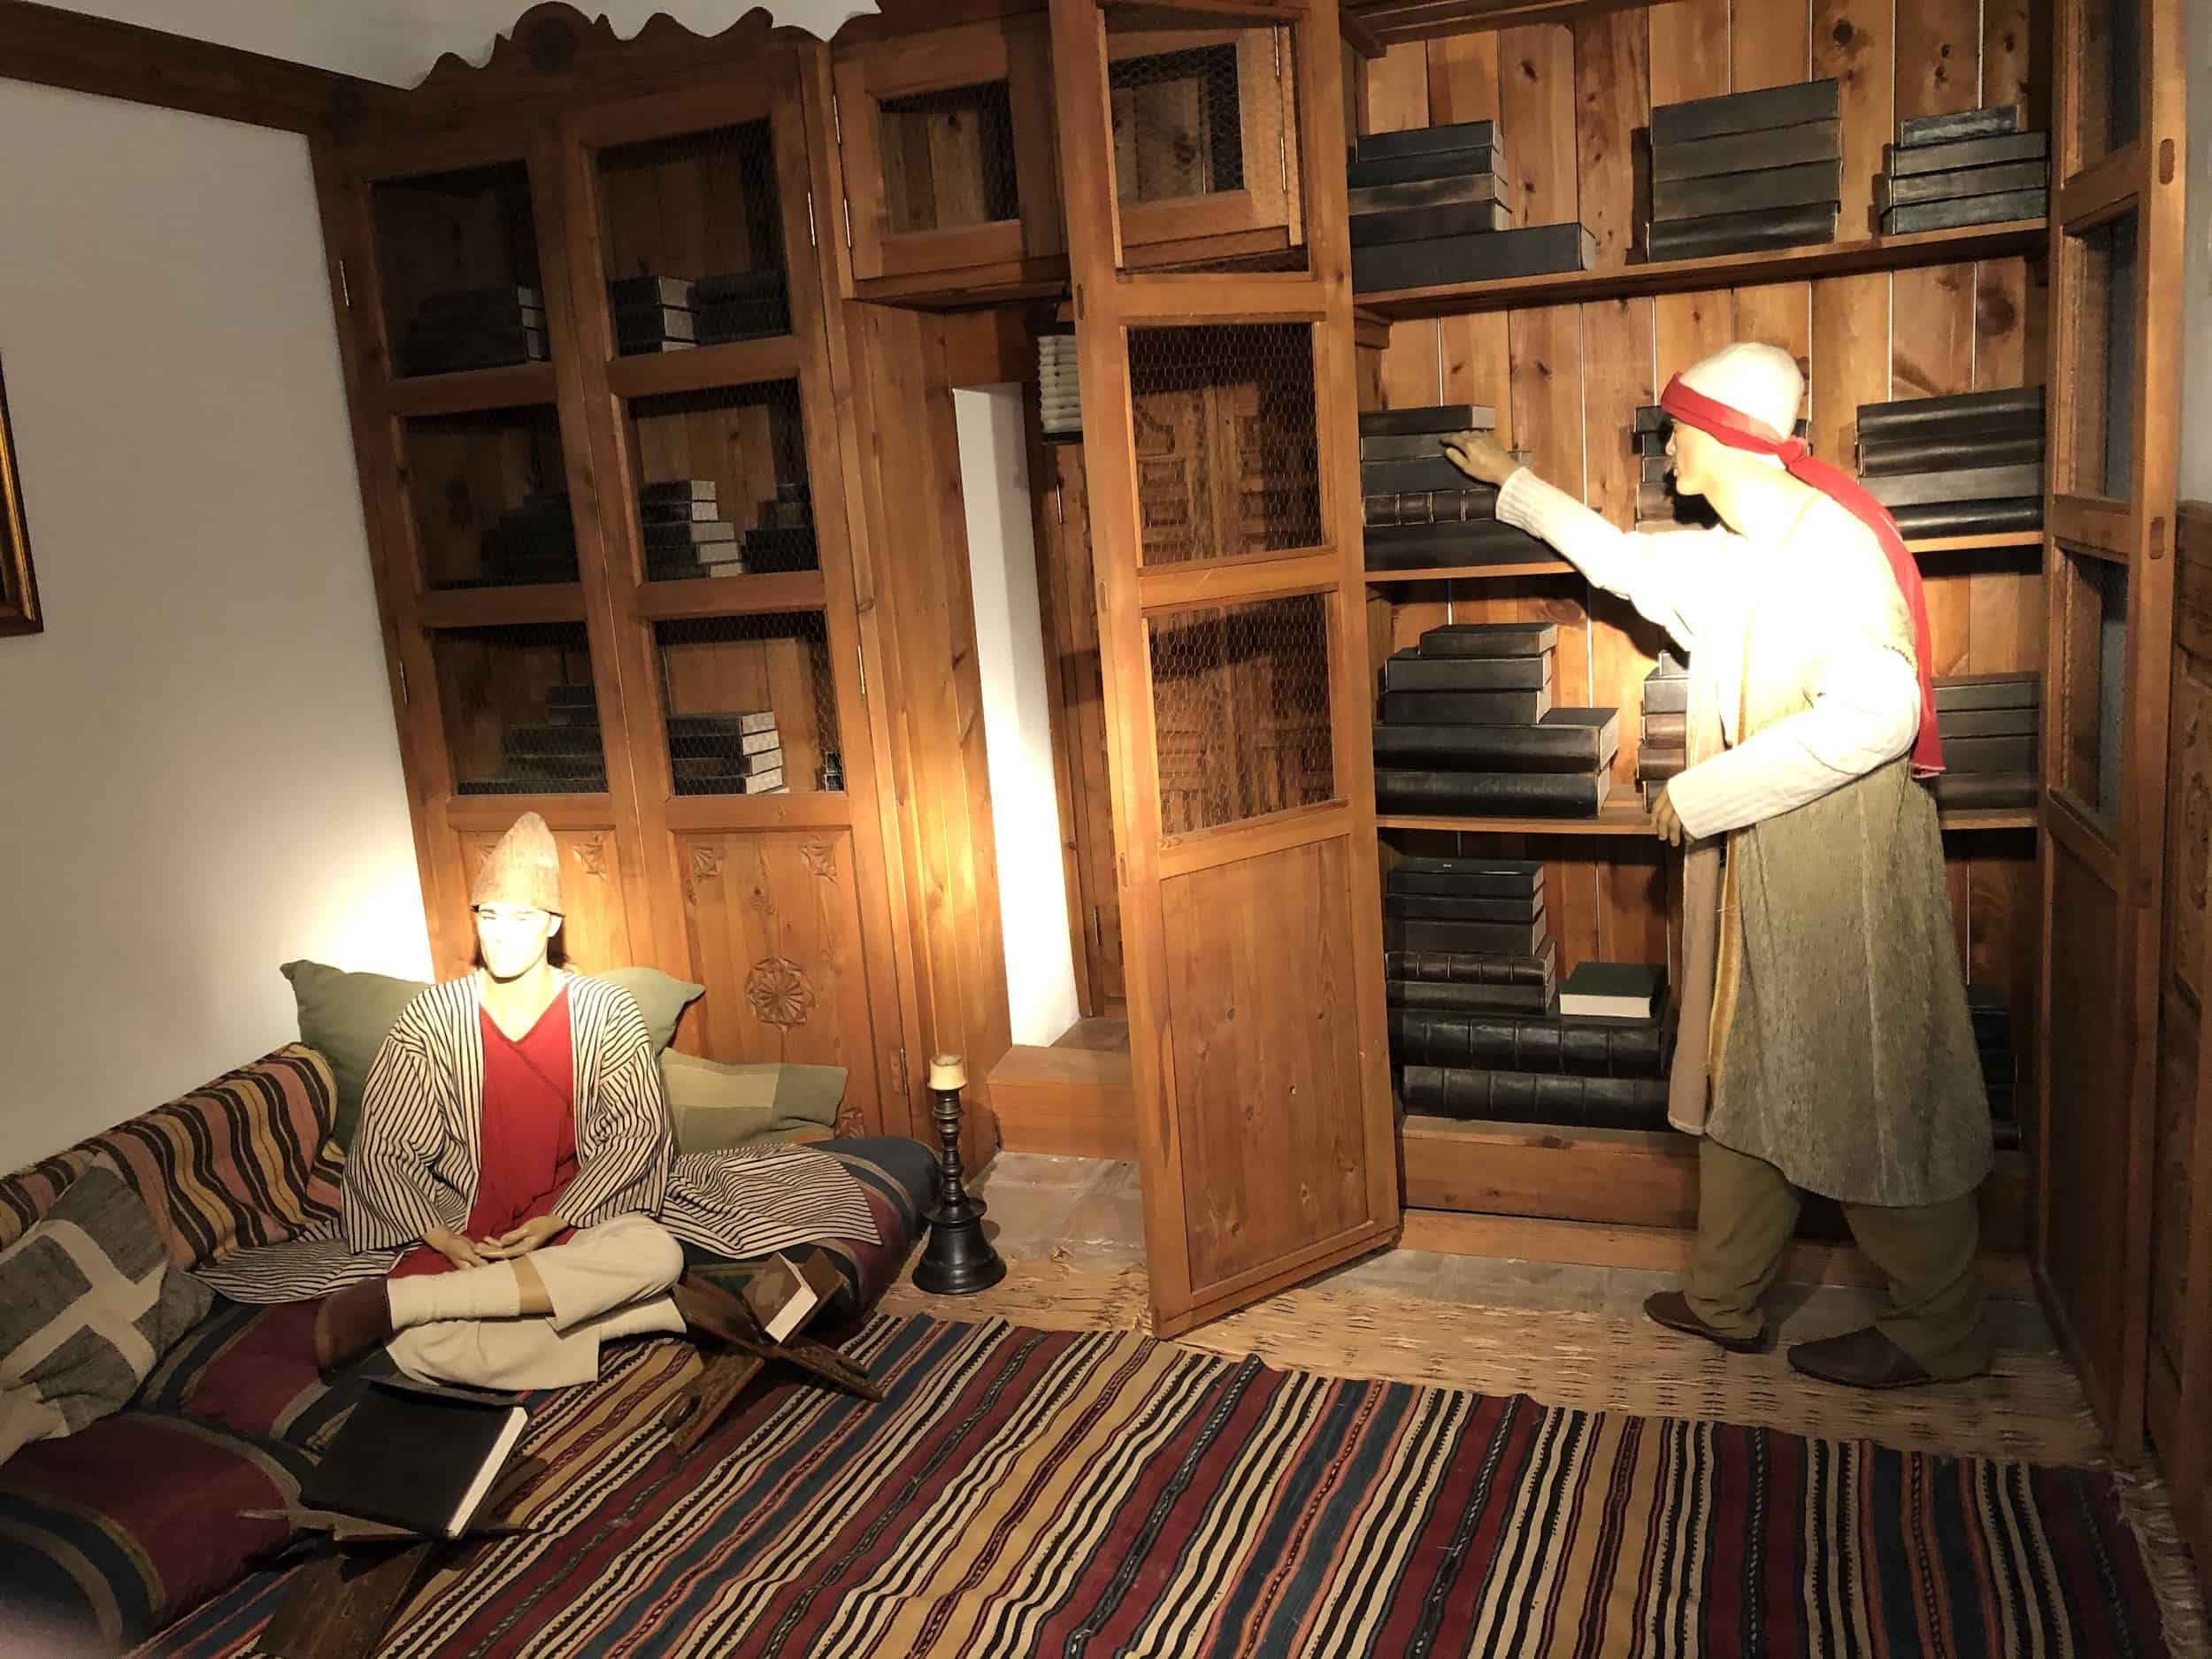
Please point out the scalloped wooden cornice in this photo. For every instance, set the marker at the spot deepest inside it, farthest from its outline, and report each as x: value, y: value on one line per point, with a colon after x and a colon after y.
x: 554, y: 44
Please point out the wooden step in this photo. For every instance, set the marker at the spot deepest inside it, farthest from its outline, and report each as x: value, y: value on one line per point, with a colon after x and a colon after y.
x: 1071, y: 1102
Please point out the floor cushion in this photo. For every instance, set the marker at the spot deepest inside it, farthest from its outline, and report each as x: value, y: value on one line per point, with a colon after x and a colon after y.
x: 113, y: 1532
x: 250, y: 1368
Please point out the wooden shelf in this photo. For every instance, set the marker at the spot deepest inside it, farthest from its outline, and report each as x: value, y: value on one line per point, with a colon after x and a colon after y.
x: 1975, y: 543
x: 732, y: 595
x: 1624, y: 815
x: 703, y: 368
x: 500, y: 607
x: 2021, y: 539
x: 475, y: 389
x: 1716, y: 270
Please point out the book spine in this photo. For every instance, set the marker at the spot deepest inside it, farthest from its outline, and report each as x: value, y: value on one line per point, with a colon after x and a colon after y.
x: 1988, y: 691
x: 1666, y: 728
x: 1455, y: 996
x: 1937, y: 129
x: 1402, y: 933
x: 1784, y: 105
x: 2016, y: 405
x: 1455, y: 907
x: 1468, y: 967
x: 1996, y: 151
x: 1411, y: 672
x: 1493, y: 747
x: 1459, y: 218
x: 1966, y: 210
x: 1742, y: 233
x: 1987, y: 791
x: 1814, y: 183
x: 1432, y: 418
x: 1490, y: 1095
x: 1443, y: 138
x: 1398, y: 509
x: 1560, y: 795
x: 1478, y: 707
x: 1937, y: 186
x: 1969, y: 517
x: 1473, y: 885
x: 1966, y: 754
x: 1747, y: 152
x: 1443, y: 164
x: 1506, y: 1042
x: 1532, y: 251
x: 1944, y: 451
x: 1978, y: 483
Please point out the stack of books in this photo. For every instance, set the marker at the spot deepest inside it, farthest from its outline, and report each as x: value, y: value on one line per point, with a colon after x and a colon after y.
x: 533, y: 541
x: 2000, y: 1060
x: 1433, y: 205
x: 1657, y: 506
x: 1422, y: 512
x: 1665, y: 739
x: 1465, y: 979
x: 1599, y: 1061
x: 1975, y: 168
x: 1748, y: 171
x: 652, y: 313
x: 741, y: 305
x: 1991, y: 726
x: 785, y: 539
x: 1467, y: 729
x: 685, y: 532
x: 1969, y: 464
x: 476, y: 328
x: 561, y: 753
x: 737, y: 753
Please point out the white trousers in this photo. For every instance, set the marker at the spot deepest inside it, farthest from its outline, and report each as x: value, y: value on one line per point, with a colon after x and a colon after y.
x: 607, y: 1281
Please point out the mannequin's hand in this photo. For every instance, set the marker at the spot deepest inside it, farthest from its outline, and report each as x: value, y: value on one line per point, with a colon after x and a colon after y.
x: 1665, y: 823
x: 453, y: 1246
x: 523, y: 1240
x: 1480, y: 457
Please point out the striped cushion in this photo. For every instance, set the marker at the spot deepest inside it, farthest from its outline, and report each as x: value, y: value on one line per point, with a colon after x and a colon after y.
x: 244, y: 1160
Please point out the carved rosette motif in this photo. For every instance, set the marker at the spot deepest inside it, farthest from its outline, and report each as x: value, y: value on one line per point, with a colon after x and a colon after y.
x: 778, y: 992
x: 591, y: 856
x: 821, y: 859
x: 849, y: 1122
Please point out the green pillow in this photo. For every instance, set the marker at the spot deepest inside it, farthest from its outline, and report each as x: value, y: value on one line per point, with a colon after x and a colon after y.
x: 343, y: 1018
x: 715, y: 1105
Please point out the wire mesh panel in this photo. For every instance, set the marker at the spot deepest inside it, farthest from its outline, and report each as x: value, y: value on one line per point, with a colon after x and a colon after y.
x: 694, y: 234
x: 1227, y: 462
x: 752, y: 704
x: 521, y: 716
x: 1205, y: 140
x: 948, y: 158
x: 459, y: 256
x: 723, y: 482
x: 490, y: 496
x: 1240, y: 705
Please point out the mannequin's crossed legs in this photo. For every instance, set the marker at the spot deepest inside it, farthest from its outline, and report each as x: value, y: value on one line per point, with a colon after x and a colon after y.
x: 537, y: 1321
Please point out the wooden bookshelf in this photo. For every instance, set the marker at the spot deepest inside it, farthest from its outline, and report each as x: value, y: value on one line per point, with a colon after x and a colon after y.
x: 1962, y: 245
x: 2024, y: 539
x: 1625, y: 815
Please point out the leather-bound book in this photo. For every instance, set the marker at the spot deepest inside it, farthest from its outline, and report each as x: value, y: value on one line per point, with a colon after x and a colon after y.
x: 1471, y: 878
x: 1565, y: 740
x: 2022, y: 722
x: 1987, y: 791
x: 1474, y: 967
x: 1475, y: 708
x: 1450, y: 995
x: 1958, y: 692
x: 1432, y: 418
x: 1561, y: 795
x: 1453, y: 907
x: 1971, y: 755
x: 1666, y: 728
x: 1489, y: 639
x: 1526, y: 1042
x: 1402, y: 933
x: 1582, y: 1103
x: 1411, y: 670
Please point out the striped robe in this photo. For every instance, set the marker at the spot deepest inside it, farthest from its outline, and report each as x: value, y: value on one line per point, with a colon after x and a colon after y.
x: 414, y: 1162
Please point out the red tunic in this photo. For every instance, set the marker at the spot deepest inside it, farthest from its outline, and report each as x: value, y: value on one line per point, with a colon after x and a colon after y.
x: 526, y: 1140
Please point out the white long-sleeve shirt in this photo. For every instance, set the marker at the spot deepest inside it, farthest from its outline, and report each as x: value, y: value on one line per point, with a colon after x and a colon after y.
x: 1865, y: 702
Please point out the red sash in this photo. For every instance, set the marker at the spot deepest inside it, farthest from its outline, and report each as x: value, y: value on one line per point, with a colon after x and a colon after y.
x: 1739, y: 431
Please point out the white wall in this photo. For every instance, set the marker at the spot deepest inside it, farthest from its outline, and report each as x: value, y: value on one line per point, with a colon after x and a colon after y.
x: 1010, y: 652
x: 2196, y: 285
x: 380, y: 40
x: 199, y: 776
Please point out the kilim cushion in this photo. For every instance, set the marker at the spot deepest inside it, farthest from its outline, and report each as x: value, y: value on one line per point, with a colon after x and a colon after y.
x: 113, y: 1533
x: 244, y: 1160
x: 88, y: 1302
x: 251, y: 1368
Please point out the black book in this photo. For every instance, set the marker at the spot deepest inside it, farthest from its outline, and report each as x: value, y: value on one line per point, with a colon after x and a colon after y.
x: 1442, y: 164
x: 1399, y: 508
x: 1811, y: 182
x: 678, y: 489
x: 1786, y: 105
x: 1489, y: 639
x: 1561, y: 795
x: 1655, y: 762
x: 1614, y: 990
x: 1417, y: 446
x: 1473, y: 708
x: 1968, y: 518
x: 1459, y: 218
x: 1508, y: 938
x: 1666, y: 696
x: 2024, y: 722
x: 740, y: 725
x: 1474, y: 545
x: 1938, y: 186
x: 1413, y: 193
x: 480, y: 301
x: 1904, y: 161
x: 1966, y: 210
x: 1430, y: 469
x: 1742, y: 233
x: 1565, y: 740
x: 2012, y: 408
x: 1964, y: 755
x: 662, y: 322
x: 1744, y: 152
x: 1522, y: 1042
x: 1666, y: 728
x: 1649, y: 418
x: 490, y: 349
x: 722, y: 287
x: 1415, y: 671
x: 1464, y: 996
x: 1987, y: 791
x: 1488, y: 1096
x: 1499, y: 877
x: 416, y: 1455
x: 1454, y: 907
x: 1943, y: 451
x: 1997, y: 119
x: 1487, y: 257
x: 1472, y: 967
x: 1436, y: 417
x: 638, y: 292
x: 752, y: 319
x: 1958, y: 692
x: 782, y: 549
x: 688, y: 534
x: 1970, y: 483
x: 1423, y: 141
x: 679, y: 512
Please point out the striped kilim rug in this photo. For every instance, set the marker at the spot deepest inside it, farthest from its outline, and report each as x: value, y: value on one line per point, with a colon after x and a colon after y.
x: 1027, y: 1492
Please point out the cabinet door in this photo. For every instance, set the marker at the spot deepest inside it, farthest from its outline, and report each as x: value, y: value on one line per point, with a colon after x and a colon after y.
x: 947, y: 140
x: 2116, y: 267
x: 1220, y: 457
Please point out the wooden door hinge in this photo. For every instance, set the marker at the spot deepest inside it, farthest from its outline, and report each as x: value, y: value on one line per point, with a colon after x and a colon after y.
x: 405, y: 700
x: 345, y: 287
x: 810, y: 220
x: 860, y: 656
x: 837, y: 122
x: 849, y: 221
x: 1098, y: 931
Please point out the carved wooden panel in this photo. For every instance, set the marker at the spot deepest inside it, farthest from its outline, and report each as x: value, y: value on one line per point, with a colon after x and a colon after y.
x: 772, y: 922
x: 596, y: 936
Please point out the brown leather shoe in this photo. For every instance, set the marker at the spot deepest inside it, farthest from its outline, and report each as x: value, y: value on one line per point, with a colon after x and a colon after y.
x: 1860, y: 1359
x: 351, y: 1322
x: 1671, y: 1308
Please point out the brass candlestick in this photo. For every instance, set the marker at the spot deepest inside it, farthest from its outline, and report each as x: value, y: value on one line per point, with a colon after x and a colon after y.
x: 959, y: 1260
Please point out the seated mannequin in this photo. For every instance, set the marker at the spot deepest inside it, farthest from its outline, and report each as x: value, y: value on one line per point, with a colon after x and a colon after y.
x: 510, y: 1201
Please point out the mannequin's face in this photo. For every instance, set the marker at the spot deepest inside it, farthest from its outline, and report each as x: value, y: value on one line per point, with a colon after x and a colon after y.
x: 1693, y: 452
x: 513, y: 938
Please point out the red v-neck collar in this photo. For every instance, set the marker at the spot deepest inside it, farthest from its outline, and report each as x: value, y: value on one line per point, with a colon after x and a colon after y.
x: 560, y: 998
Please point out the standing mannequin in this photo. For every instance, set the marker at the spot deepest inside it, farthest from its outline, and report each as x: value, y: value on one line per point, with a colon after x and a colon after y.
x: 510, y: 1200
x: 1825, y: 1040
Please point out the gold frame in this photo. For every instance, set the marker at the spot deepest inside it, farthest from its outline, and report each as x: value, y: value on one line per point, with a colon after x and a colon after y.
x: 19, y: 587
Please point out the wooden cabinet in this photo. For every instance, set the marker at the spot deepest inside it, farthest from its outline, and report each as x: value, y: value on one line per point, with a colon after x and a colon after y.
x: 947, y: 160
